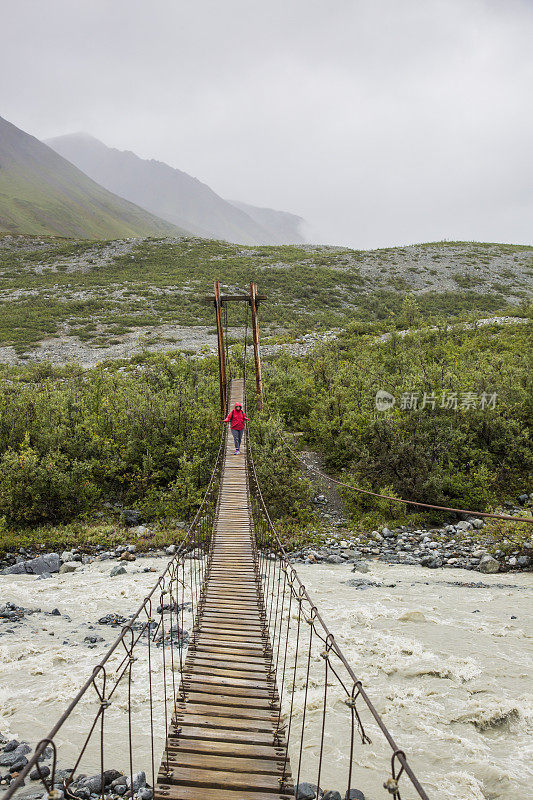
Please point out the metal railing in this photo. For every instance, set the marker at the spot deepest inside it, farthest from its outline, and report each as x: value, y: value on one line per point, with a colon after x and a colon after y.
x: 155, y: 632
x: 306, y: 657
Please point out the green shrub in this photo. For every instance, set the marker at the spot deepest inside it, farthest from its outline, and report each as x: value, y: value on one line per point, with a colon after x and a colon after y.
x: 464, y: 457
x: 36, y: 487
x: 141, y: 433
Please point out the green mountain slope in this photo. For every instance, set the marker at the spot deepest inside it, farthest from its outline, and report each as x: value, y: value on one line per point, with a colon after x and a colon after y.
x: 42, y: 193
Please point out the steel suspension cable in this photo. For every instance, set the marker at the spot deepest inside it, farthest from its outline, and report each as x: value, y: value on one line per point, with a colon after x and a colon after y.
x: 491, y: 515
x: 317, y: 623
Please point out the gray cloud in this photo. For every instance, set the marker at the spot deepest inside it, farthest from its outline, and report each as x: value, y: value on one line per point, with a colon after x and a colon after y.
x: 380, y: 121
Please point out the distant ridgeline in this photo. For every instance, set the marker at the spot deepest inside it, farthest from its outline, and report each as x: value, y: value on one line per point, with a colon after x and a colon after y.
x: 80, y: 188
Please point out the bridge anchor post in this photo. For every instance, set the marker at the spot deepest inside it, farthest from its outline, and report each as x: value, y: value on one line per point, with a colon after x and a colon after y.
x: 221, y: 355
x: 254, y: 302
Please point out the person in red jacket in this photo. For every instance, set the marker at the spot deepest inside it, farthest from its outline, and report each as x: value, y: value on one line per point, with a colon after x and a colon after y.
x: 237, y: 419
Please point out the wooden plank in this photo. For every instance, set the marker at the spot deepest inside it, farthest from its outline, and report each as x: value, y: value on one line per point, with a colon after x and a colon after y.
x: 190, y: 731
x: 220, y: 779
x: 218, y: 761
x: 228, y: 699
x: 208, y: 793
x: 199, y: 685
x: 232, y: 749
x: 242, y: 712
x: 200, y: 720
x: 215, y: 663
x: 242, y: 644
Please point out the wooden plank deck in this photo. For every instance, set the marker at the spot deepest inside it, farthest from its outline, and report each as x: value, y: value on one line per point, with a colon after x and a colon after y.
x: 223, y: 743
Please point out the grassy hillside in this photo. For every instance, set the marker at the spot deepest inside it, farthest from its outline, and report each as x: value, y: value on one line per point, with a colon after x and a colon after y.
x: 42, y: 193
x: 99, y: 293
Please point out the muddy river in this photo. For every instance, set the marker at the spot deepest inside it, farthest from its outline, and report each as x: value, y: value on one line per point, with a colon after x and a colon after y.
x: 448, y: 666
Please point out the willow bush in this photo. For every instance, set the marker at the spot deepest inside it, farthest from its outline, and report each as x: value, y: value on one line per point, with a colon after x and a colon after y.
x: 140, y: 433
x: 473, y: 457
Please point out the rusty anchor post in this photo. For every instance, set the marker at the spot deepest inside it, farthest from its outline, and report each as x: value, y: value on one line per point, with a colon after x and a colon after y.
x: 221, y: 356
x: 255, y: 333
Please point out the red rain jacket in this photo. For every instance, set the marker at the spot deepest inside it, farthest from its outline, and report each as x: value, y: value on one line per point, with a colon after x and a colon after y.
x: 238, y: 418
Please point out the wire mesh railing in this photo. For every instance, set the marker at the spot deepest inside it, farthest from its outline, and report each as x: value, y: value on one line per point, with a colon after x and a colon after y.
x: 325, y: 712
x: 121, y: 715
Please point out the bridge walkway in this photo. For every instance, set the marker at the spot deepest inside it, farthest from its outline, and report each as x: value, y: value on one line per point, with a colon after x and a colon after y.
x: 224, y: 743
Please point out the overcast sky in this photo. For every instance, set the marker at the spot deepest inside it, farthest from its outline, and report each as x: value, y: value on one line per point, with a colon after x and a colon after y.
x: 381, y: 122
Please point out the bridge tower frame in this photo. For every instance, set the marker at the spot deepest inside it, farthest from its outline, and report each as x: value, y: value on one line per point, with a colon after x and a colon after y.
x: 253, y: 300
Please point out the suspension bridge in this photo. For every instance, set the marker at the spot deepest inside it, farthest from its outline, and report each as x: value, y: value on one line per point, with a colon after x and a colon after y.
x: 227, y: 737
x: 232, y: 709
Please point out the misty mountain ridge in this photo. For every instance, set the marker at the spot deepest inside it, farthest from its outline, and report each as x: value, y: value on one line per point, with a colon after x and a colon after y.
x: 43, y: 193
x: 176, y: 196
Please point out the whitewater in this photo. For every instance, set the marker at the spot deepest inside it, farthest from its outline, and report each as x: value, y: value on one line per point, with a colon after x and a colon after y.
x: 447, y: 664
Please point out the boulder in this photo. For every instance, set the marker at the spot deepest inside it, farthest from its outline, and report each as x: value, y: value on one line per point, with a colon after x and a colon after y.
x: 19, y: 764
x: 354, y: 794
x: 489, y: 564
x: 47, y: 563
x: 11, y: 757
x: 111, y: 775
x: 139, y: 781
x: 68, y: 566
x: 332, y: 795
x: 120, y: 781
x: 464, y: 526
x: 117, y: 570
x: 45, y: 772
x: 360, y: 566
x: 306, y: 791
x: 140, y: 530
x: 36, y: 566
x: 131, y: 517
x: 93, y: 785
x: 361, y: 583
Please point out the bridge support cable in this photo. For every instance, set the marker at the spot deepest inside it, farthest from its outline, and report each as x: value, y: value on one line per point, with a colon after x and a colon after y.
x: 329, y: 479
x: 140, y: 670
x: 314, y: 678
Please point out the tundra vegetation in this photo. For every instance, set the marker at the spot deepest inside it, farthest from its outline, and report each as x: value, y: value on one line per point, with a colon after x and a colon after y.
x: 78, y: 446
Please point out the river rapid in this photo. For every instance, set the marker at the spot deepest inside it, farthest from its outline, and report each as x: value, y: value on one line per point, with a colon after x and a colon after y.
x: 448, y: 666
